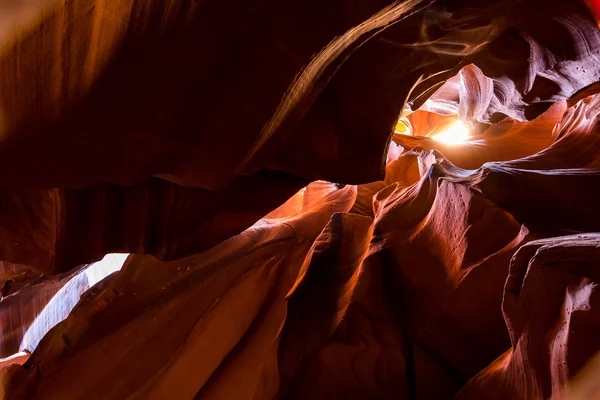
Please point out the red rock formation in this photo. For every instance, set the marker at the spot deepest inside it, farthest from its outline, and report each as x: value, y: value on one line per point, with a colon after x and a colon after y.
x: 177, y: 130
x: 111, y: 126
x: 549, y: 309
x: 25, y: 293
x: 18, y: 359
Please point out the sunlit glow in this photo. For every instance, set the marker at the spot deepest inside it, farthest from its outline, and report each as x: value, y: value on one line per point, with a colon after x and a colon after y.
x: 401, y: 128
x: 458, y: 133
x: 61, y: 304
x: 18, y: 358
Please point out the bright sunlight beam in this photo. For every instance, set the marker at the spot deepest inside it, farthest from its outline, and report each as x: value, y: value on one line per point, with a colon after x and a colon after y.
x: 458, y: 133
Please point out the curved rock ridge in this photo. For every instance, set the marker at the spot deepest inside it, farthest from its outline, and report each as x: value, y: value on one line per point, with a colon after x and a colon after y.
x: 75, y: 227
x: 25, y: 293
x: 326, y: 296
x: 61, y: 304
x: 550, y: 306
x: 72, y: 86
x: 287, y: 244
x: 32, y: 305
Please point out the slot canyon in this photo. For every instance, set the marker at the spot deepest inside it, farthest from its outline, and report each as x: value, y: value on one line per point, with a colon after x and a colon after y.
x: 299, y: 199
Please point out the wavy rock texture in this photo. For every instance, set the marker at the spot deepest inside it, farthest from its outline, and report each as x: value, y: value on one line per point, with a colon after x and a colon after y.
x: 25, y: 293
x: 32, y: 305
x: 204, y: 137
x: 73, y: 86
x: 73, y: 227
x: 333, y: 299
x: 549, y: 307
